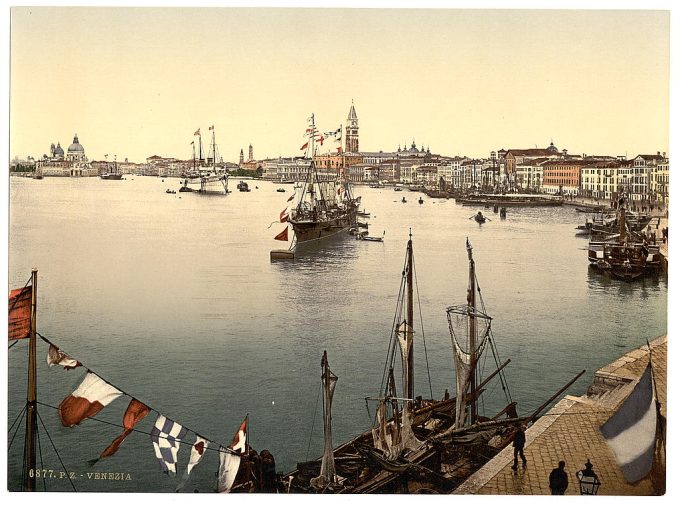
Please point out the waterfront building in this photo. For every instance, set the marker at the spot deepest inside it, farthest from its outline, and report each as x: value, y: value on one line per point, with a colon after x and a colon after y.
x: 516, y: 156
x: 659, y: 182
x: 73, y: 163
x: 333, y: 162
x: 352, y: 131
x: 529, y: 174
x: 167, y: 166
x: 562, y: 176
x: 599, y: 179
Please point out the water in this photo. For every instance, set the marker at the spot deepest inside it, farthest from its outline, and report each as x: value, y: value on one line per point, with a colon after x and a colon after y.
x: 173, y: 299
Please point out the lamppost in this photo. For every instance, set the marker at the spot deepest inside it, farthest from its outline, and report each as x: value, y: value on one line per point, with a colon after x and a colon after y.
x: 588, y: 482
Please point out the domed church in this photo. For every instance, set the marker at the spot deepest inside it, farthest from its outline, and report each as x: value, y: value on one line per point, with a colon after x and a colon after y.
x: 73, y: 163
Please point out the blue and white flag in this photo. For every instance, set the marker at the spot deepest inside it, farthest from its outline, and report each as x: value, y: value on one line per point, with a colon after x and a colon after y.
x: 631, y: 431
x: 166, y: 436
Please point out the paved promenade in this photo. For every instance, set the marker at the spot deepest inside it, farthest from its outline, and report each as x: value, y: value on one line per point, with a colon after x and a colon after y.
x: 570, y: 432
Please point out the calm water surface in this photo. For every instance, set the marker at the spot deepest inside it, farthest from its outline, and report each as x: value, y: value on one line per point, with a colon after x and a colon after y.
x: 173, y: 299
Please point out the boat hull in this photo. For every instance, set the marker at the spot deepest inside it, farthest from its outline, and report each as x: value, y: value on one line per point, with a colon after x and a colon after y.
x: 310, y: 231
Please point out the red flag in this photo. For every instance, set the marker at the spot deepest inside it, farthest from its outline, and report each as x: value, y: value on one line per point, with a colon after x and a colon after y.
x: 320, y: 140
x: 20, y: 313
x: 303, y: 147
x: 291, y: 198
x: 241, y: 436
x: 135, y: 413
x: 283, y: 235
x: 283, y: 216
x: 198, y: 132
x: 87, y: 400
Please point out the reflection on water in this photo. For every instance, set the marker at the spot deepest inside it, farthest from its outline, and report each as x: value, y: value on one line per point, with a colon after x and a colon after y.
x: 174, y: 298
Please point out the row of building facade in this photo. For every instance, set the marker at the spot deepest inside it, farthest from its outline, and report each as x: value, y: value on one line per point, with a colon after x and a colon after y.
x: 547, y: 170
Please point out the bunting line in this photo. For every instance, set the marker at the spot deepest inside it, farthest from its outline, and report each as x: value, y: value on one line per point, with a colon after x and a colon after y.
x: 123, y: 392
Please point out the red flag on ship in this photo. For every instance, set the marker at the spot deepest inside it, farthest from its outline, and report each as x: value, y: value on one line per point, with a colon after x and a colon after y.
x: 241, y: 437
x: 303, y: 147
x: 56, y: 356
x: 135, y: 413
x: 198, y: 132
x: 291, y: 198
x: 283, y: 216
x: 283, y: 235
x: 20, y: 313
x: 320, y: 140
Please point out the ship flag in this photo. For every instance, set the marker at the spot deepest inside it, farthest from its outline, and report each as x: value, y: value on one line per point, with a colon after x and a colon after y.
x: 135, y: 413
x: 20, y: 313
x: 87, y: 400
x: 283, y: 216
x: 197, y: 452
x: 631, y: 431
x: 291, y: 198
x: 304, y: 147
x: 283, y: 235
x: 198, y: 132
x: 320, y: 139
x: 230, y: 462
x: 166, y: 436
x: 56, y: 356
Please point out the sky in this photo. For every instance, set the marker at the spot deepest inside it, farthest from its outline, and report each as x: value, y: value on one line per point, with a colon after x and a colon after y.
x: 137, y: 82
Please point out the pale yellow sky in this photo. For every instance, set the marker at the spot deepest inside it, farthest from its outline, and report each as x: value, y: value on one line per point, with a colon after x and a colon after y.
x: 138, y: 82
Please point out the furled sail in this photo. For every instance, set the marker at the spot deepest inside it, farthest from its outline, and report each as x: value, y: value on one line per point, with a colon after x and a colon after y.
x: 327, y: 475
x: 408, y: 438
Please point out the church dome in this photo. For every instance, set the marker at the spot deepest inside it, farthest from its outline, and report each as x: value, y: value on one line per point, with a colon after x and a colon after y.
x: 58, y: 150
x: 76, y: 147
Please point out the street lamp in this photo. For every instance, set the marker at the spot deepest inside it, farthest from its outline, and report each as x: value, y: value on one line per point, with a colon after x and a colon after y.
x: 588, y: 481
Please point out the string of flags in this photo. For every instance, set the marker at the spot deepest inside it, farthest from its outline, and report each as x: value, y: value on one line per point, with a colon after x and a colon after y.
x: 94, y: 393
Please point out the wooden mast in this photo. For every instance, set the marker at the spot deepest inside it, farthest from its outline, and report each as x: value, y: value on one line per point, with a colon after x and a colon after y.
x: 32, y: 394
x: 472, y: 320
x: 409, y: 316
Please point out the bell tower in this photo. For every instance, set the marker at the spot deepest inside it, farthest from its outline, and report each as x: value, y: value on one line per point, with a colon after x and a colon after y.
x: 352, y: 131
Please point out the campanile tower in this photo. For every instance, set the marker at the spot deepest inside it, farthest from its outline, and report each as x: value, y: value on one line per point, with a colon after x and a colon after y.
x: 352, y: 131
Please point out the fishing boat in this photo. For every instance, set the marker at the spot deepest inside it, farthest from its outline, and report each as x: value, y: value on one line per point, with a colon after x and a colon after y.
x: 419, y: 444
x: 368, y: 238
x: 280, y: 189
x: 243, y: 187
x: 325, y: 204
x: 207, y: 177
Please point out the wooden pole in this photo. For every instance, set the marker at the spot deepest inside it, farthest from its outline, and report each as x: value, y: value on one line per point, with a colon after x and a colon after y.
x: 32, y: 393
x: 409, y: 318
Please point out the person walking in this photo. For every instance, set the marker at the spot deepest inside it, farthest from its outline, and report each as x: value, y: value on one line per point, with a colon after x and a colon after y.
x: 518, y: 444
x: 559, y: 481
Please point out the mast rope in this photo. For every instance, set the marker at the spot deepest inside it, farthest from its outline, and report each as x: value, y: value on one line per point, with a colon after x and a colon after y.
x: 12, y: 344
x: 42, y: 463
x: 23, y: 411
x: 123, y: 392
x: 316, y: 405
x: 422, y: 328
x: 55, y: 450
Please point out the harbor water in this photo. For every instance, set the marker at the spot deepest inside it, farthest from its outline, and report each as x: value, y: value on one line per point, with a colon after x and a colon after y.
x: 173, y: 299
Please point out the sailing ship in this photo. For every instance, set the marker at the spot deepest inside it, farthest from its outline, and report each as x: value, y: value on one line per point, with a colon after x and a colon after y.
x: 209, y: 177
x: 419, y: 445
x: 325, y: 204
x: 112, y: 172
x: 627, y: 255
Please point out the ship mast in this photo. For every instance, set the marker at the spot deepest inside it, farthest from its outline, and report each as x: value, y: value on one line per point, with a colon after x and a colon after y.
x: 409, y: 314
x: 32, y: 394
x: 472, y: 322
x: 214, y: 156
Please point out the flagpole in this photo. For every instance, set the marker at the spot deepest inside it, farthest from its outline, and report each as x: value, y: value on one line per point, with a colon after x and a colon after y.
x: 32, y: 394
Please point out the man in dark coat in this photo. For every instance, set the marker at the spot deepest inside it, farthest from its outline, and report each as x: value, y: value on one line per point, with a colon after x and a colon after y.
x: 559, y: 481
x: 518, y: 445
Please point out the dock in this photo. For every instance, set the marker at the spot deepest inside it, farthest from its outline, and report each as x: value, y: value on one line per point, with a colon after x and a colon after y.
x: 570, y: 432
